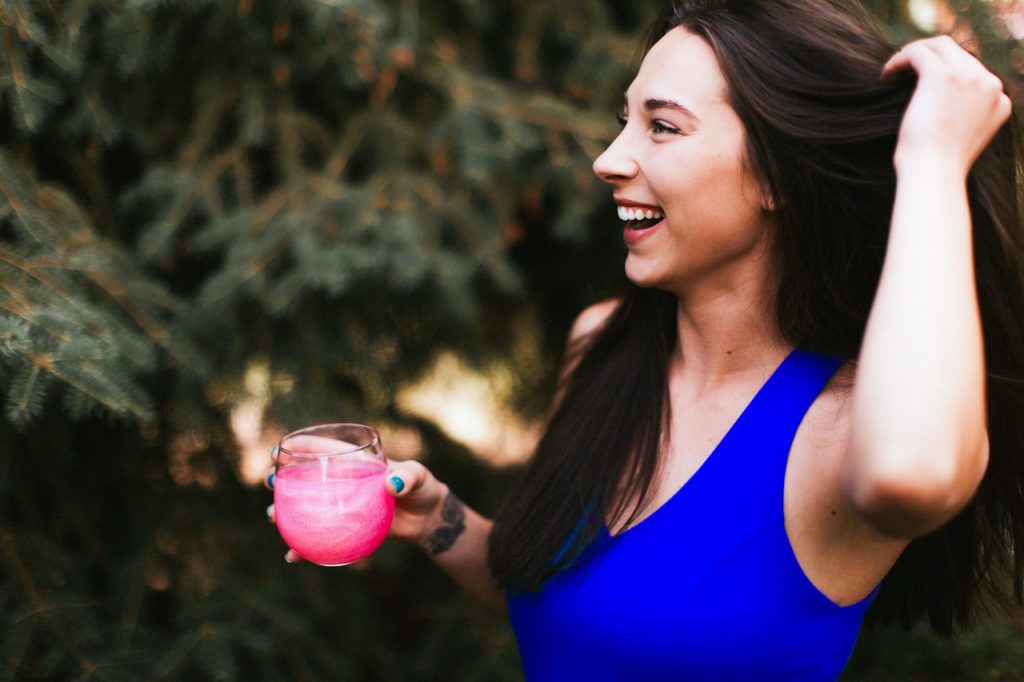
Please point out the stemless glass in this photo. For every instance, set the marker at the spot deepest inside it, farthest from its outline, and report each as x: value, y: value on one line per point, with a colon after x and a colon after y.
x: 330, y: 503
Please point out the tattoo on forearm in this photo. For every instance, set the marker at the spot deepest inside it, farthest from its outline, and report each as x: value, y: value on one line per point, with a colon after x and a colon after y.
x: 454, y: 516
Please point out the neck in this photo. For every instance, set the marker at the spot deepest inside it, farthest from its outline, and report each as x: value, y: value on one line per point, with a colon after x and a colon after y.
x: 727, y: 335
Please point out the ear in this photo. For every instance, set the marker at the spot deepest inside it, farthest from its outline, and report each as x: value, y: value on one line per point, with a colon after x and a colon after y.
x: 768, y: 203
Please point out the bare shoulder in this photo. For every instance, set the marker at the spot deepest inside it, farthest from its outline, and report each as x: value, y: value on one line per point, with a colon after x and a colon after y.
x: 587, y: 322
x: 592, y: 318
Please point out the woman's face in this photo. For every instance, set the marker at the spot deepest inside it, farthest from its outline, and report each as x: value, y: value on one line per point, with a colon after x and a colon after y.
x: 680, y: 165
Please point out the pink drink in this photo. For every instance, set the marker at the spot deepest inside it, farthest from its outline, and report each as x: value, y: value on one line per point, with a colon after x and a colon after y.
x: 333, y: 512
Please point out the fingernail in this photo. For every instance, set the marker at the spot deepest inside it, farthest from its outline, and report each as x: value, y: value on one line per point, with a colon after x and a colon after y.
x: 272, y: 451
x: 288, y: 558
x: 270, y: 481
x: 398, y: 483
x: 270, y: 512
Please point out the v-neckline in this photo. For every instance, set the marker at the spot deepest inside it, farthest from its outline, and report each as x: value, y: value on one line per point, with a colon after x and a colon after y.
x: 714, y: 451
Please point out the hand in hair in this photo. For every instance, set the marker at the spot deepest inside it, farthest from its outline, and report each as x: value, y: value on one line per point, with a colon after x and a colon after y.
x: 957, y: 107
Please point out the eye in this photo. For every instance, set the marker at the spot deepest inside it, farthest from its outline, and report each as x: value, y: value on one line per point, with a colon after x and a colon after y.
x: 659, y: 126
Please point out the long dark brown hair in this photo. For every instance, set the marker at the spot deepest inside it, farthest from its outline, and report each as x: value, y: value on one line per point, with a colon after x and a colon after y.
x: 821, y: 126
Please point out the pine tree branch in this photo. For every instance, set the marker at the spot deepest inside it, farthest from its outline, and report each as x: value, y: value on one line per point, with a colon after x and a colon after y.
x: 27, y: 33
x: 26, y: 393
x: 274, y: 203
x: 87, y: 665
x: 72, y: 18
x: 47, y: 362
x: 208, y: 119
x: 592, y: 132
x: 211, y: 173
x: 528, y: 46
x: 20, y: 310
x: 354, y: 135
x: 21, y: 85
x: 443, y: 204
x: 360, y: 128
x: 154, y: 331
x: 118, y: 293
x: 12, y: 259
x: 149, y: 294
x: 243, y: 183
x: 47, y: 608
x: 103, y: 332
x: 15, y: 203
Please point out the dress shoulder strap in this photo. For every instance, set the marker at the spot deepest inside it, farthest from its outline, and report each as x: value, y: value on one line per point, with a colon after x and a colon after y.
x: 758, y: 447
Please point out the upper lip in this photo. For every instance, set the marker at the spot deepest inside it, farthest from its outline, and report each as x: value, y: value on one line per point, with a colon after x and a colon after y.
x: 628, y: 202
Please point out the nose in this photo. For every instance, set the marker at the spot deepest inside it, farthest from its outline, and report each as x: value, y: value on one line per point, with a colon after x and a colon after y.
x: 616, y: 164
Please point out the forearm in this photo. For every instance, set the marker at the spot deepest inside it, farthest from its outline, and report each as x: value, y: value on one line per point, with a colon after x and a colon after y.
x: 458, y: 544
x: 919, y: 405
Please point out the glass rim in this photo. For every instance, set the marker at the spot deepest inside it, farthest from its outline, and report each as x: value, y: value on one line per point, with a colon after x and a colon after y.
x: 374, y: 440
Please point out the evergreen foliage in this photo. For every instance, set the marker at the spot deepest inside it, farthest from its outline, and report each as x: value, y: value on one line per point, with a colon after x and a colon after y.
x: 335, y: 191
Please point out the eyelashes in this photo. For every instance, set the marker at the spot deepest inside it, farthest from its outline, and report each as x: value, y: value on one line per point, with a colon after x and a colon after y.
x: 662, y: 127
x: 657, y: 126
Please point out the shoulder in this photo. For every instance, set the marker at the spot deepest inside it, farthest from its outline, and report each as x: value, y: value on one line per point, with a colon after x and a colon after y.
x: 586, y: 324
x: 592, y: 319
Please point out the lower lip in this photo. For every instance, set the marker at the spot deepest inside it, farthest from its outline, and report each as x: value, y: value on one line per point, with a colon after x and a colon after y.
x: 633, y: 237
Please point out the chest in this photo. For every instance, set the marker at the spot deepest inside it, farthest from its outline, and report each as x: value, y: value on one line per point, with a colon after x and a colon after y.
x: 695, y: 430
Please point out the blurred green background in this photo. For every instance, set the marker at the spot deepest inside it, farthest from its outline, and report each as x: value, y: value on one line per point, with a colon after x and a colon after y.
x: 222, y: 220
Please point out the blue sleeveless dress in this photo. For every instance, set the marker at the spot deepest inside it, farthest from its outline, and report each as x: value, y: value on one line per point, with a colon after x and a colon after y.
x: 707, y: 587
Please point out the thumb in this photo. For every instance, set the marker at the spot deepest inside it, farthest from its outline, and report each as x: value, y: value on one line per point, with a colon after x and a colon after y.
x: 406, y: 477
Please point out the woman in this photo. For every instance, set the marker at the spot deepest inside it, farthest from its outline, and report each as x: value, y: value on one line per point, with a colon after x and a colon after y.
x: 812, y: 391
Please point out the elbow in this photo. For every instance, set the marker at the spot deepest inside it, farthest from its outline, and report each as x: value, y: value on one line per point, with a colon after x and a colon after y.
x: 919, y: 495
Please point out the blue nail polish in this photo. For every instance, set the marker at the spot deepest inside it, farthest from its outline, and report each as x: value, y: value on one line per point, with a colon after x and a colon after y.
x: 272, y: 451
x: 270, y: 480
x: 398, y: 483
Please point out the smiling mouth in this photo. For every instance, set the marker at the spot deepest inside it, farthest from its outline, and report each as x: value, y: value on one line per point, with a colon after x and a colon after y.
x: 640, y: 218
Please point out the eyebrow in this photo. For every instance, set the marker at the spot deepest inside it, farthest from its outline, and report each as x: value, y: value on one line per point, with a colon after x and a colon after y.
x: 652, y: 104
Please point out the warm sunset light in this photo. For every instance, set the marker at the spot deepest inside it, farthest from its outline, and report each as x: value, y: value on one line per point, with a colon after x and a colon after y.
x: 467, y: 404
x: 252, y: 435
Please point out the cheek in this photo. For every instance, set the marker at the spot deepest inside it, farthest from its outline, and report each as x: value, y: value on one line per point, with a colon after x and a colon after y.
x: 715, y: 207
x: 727, y: 187
x: 708, y: 188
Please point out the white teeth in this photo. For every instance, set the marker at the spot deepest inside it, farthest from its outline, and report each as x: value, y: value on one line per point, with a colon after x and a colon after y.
x: 639, y: 214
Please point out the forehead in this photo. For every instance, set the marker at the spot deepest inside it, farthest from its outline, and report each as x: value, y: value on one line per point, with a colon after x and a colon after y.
x: 681, y: 66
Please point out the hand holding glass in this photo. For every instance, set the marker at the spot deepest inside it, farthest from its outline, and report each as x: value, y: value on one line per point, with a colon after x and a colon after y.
x: 330, y: 503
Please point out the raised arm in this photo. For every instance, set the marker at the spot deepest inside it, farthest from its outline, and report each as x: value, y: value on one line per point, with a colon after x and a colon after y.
x: 919, y: 444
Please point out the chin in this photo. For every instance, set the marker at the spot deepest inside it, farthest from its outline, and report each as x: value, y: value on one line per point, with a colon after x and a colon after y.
x: 641, y: 276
